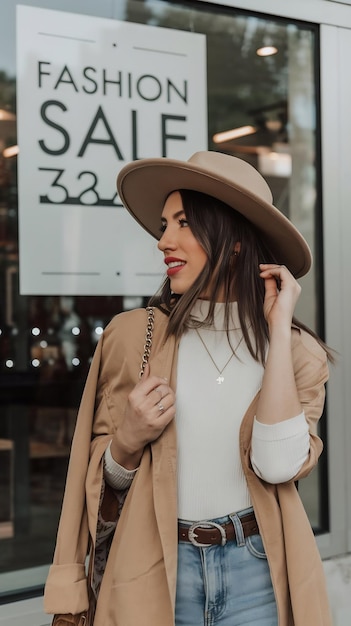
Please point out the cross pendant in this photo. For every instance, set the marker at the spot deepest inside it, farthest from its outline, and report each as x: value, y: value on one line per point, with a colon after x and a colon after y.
x: 220, y: 380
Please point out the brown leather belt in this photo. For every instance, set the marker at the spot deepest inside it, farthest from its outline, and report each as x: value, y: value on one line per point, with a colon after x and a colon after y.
x: 204, y: 534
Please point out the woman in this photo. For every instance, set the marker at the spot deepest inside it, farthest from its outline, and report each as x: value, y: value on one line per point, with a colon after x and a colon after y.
x: 211, y: 529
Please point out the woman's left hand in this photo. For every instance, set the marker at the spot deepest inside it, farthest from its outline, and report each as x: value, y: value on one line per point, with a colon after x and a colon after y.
x: 282, y: 292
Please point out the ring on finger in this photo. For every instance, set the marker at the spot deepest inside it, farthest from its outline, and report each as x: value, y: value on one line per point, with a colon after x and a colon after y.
x: 161, y: 408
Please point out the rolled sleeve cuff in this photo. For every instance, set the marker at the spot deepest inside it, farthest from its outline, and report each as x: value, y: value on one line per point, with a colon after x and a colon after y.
x: 66, y: 589
x: 282, y: 430
x: 117, y: 476
x: 279, y: 450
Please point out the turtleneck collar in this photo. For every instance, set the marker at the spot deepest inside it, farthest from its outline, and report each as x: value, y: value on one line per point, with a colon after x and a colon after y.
x: 201, y: 308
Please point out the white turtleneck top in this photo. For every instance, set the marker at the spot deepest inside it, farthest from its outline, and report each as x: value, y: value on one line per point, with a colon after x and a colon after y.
x: 211, y: 482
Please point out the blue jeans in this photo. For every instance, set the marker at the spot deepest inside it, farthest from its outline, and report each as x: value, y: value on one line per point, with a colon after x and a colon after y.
x: 225, y: 585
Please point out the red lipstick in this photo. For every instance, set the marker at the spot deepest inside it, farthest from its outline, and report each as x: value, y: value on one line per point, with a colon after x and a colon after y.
x: 174, y: 265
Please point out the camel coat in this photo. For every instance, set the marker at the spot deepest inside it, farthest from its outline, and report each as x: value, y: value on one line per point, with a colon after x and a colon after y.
x: 139, y: 583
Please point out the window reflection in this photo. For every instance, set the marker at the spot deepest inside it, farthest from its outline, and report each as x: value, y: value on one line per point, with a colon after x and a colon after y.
x: 46, y: 343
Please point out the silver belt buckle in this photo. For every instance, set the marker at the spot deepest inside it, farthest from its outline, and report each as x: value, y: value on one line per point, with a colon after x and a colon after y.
x: 193, y: 536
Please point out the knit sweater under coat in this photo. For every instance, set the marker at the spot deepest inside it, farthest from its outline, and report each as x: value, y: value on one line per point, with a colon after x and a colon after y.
x: 140, y: 578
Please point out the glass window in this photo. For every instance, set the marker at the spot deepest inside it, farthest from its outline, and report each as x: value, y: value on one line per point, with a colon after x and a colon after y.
x: 263, y: 107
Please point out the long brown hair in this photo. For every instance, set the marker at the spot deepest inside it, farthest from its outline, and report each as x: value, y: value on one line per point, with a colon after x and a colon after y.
x: 218, y: 228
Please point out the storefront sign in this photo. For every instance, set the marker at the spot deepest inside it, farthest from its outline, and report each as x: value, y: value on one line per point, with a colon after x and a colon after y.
x: 94, y: 94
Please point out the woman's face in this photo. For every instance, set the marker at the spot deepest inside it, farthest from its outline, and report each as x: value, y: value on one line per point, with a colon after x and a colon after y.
x: 183, y: 254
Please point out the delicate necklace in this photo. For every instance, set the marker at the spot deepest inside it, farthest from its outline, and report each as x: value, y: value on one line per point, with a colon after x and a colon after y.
x: 220, y: 378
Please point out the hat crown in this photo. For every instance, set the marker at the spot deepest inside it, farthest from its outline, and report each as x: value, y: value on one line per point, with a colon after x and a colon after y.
x: 145, y: 184
x: 235, y: 171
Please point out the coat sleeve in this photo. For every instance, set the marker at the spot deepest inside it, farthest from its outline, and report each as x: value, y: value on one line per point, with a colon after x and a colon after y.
x: 311, y: 375
x: 66, y: 586
x: 110, y: 379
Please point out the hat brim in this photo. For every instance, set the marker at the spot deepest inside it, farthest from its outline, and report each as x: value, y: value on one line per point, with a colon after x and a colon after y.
x: 144, y: 186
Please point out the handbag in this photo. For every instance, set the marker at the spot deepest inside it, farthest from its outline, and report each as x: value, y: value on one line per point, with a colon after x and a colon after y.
x: 86, y: 618
x: 71, y: 620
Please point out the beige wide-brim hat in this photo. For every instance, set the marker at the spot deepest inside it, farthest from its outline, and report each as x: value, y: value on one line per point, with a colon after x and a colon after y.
x: 144, y: 185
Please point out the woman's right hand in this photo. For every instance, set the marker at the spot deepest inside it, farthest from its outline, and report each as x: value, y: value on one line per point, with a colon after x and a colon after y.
x: 150, y: 408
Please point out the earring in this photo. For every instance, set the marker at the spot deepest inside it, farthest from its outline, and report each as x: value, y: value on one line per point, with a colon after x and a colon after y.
x: 236, y: 253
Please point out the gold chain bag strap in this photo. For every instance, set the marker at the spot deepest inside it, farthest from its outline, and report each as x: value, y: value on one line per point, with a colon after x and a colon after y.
x: 85, y: 618
x: 148, y: 339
